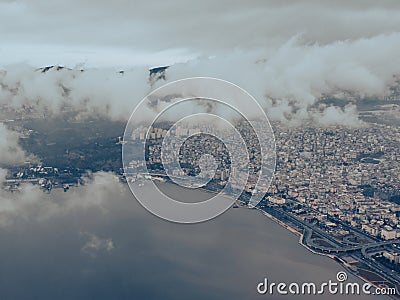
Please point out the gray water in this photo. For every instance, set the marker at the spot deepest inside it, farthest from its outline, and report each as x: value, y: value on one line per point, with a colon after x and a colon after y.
x: 224, y: 258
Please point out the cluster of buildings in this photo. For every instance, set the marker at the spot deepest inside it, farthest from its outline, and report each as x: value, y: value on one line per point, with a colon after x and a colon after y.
x: 348, y: 173
x: 393, y: 257
x: 45, y: 176
x: 190, y: 143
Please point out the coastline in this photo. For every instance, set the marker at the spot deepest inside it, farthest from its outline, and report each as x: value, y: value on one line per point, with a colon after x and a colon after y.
x: 335, y: 258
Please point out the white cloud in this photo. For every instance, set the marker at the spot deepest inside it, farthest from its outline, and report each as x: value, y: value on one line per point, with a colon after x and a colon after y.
x: 287, y: 81
x: 31, y: 203
x: 95, y: 244
x: 10, y: 151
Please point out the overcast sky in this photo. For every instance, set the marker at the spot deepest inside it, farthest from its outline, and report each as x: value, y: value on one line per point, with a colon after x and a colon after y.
x: 293, y: 52
x: 125, y: 33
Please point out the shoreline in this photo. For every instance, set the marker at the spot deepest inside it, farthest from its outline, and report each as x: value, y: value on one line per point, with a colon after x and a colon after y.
x: 335, y: 258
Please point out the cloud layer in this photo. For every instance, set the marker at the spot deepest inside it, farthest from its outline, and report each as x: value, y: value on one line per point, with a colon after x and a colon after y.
x: 10, y: 151
x: 287, y: 82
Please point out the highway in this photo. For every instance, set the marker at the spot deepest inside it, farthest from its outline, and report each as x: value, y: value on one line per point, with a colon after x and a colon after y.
x: 358, y: 251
